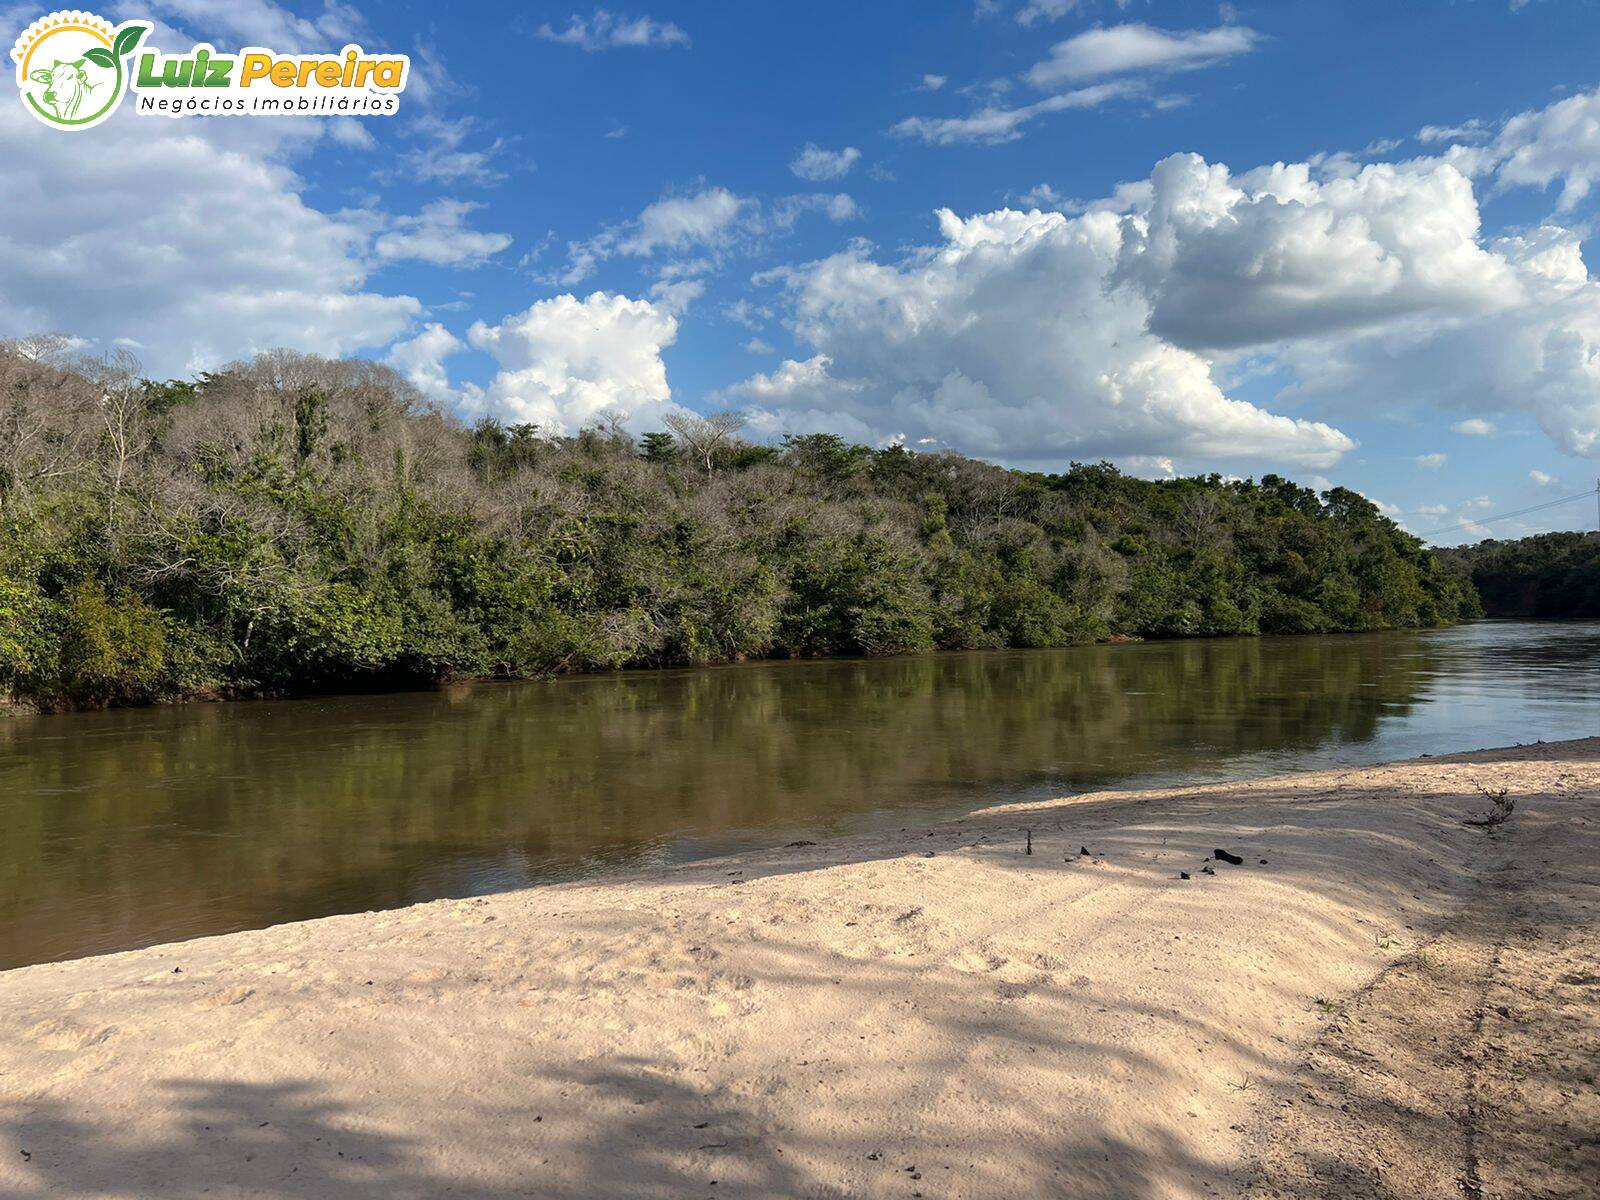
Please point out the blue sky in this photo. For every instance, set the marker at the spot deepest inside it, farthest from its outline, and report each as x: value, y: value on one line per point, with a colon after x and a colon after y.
x: 1032, y: 230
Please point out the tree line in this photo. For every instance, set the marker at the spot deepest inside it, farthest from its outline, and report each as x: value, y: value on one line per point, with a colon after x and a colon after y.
x: 295, y: 524
x: 1547, y: 575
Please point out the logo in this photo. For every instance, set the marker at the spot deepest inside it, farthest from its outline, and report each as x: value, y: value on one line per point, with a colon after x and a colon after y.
x: 71, y: 67
x: 74, y: 68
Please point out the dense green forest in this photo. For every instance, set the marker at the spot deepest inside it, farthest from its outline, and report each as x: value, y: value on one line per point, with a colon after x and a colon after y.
x: 1549, y: 575
x: 295, y: 524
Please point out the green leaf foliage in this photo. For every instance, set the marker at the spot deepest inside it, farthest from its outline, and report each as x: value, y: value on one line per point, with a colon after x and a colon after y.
x: 127, y: 40
x: 293, y: 524
x: 1548, y: 575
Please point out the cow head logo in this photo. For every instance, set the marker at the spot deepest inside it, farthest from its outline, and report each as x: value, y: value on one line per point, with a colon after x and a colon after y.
x: 71, y: 67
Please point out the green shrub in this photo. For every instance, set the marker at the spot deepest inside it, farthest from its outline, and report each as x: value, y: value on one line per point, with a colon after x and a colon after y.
x: 113, y: 648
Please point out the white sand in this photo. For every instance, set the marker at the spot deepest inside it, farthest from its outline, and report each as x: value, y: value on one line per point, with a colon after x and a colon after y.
x: 931, y: 1013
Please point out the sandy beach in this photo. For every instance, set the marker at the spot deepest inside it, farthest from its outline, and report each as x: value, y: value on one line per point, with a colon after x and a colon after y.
x: 1379, y: 1000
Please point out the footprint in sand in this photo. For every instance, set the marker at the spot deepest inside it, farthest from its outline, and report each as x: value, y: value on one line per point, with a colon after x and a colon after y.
x: 225, y: 998
x: 977, y: 962
x: 55, y: 1034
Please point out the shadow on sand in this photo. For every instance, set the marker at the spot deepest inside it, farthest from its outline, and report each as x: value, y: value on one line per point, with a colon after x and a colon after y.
x: 627, y: 1125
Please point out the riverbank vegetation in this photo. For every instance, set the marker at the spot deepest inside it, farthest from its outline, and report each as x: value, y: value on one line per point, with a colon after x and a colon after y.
x: 1548, y: 575
x: 294, y: 524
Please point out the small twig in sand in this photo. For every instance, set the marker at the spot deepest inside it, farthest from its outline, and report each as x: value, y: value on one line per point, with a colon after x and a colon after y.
x: 1502, y: 806
x: 1244, y: 1084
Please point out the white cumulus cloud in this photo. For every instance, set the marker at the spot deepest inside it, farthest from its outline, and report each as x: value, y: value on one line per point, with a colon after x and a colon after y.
x: 995, y: 123
x: 704, y: 218
x: 787, y: 210
x: 441, y: 153
x: 421, y: 359
x: 264, y: 23
x: 440, y: 235
x: 1094, y: 68
x: 708, y: 220
x: 604, y: 30
x: 1561, y: 142
x: 1015, y: 338
x: 1474, y: 130
x: 1042, y: 195
x: 816, y: 164
x: 698, y: 231
x: 564, y: 362
x: 105, y: 245
x: 1539, y: 354
x: 1120, y: 49
x: 1366, y: 288
x: 1277, y: 254
x: 1044, y: 10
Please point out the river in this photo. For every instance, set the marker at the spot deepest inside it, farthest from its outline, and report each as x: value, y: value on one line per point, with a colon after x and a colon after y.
x: 127, y: 828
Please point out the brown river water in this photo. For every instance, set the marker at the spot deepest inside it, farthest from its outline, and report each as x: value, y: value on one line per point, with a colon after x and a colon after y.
x: 127, y: 828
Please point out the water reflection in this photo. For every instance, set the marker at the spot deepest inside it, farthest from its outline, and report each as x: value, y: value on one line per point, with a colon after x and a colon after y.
x: 128, y: 828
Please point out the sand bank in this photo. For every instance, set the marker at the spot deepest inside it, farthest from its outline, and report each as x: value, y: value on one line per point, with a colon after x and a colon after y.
x: 936, y: 1013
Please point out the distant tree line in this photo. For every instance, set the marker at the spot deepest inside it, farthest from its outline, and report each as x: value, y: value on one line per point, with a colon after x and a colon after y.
x: 294, y: 524
x: 1548, y: 575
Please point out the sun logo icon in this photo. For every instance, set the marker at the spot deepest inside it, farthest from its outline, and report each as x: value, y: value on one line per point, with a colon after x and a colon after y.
x: 70, y: 67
